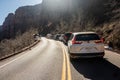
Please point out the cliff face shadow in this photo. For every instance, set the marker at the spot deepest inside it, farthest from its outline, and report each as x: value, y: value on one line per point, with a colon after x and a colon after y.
x: 97, y: 69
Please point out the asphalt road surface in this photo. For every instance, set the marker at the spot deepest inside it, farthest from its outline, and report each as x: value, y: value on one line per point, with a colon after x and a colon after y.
x: 49, y: 60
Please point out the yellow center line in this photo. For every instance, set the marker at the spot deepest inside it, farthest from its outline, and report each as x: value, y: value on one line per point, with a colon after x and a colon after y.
x: 64, y: 68
x: 63, y: 77
x: 66, y: 65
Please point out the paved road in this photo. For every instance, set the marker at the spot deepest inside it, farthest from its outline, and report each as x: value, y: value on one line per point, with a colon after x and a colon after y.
x: 49, y: 60
x: 99, y: 69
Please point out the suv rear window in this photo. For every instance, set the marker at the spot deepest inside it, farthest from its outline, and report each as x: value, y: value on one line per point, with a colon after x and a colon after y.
x: 87, y: 37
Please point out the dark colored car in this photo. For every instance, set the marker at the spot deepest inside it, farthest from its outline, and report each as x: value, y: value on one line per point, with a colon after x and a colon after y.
x: 67, y: 37
x: 56, y: 37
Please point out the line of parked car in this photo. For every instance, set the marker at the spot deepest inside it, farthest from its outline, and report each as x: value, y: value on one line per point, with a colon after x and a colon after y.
x: 63, y: 37
x: 82, y: 44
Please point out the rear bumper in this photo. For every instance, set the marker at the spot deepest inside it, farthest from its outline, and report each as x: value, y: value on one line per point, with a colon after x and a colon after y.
x: 87, y: 55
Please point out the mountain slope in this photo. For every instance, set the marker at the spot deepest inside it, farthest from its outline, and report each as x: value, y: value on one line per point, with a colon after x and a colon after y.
x: 65, y: 15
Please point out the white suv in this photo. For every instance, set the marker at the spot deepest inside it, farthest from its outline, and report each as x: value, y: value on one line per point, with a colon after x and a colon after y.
x: 85, y: 44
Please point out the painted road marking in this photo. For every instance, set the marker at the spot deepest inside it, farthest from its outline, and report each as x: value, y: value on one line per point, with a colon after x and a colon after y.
x: 66, y: 65
x: 63, y: 77
x: 12, y: 61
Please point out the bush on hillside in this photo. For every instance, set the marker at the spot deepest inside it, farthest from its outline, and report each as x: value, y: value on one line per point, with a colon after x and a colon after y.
x: 13, y: 45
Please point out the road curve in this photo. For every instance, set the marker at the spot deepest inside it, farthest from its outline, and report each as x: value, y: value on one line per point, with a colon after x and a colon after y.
x: 49, y: 60
x: 43, y: 62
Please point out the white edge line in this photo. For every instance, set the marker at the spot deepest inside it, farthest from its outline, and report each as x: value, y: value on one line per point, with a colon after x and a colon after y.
x: 12, y: 61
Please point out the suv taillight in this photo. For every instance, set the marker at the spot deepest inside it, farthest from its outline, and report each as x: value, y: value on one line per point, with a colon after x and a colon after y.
x: 76, y: 42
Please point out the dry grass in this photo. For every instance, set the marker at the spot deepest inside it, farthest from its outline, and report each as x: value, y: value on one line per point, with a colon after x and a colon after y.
x: 13, y: 45
x: 111, y: 32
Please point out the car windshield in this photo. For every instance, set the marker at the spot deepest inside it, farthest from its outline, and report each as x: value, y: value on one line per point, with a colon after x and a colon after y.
x: 68, y: 35
x: 87, y: 37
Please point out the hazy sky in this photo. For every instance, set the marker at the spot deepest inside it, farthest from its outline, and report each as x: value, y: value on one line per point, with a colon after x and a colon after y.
x: 9, y: 6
